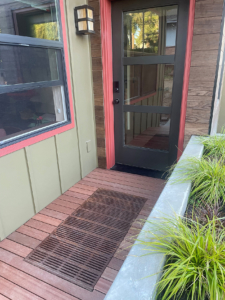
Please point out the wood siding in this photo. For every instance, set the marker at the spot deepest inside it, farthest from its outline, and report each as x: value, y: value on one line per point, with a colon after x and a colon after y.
x: 206, y: 43
x: 96, y: 53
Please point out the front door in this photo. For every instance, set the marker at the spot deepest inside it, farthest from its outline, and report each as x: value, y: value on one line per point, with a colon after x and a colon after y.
x: 149, y: 43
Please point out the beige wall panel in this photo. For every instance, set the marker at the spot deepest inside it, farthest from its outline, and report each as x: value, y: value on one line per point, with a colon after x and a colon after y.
x: 44, y: 172
x: 68, y: 158
x: 81, y: 69
x: 16, y: 202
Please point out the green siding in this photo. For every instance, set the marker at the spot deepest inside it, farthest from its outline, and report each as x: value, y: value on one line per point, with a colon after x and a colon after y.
x: 68, y: 159
x: 33, y: 177
x: 16, y: 202
x: 44, y: 173
x: 80, y: 57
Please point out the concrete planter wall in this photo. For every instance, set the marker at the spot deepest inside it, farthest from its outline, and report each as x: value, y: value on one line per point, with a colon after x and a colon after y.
x: 133, y: 281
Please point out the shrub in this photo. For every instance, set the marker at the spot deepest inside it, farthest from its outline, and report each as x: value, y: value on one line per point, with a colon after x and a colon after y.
x: 195, y: 266
x: 207, y: 177
x: 214, y: 145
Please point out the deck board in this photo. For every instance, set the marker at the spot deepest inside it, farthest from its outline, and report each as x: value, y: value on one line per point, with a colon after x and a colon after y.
x: 3, y: 297
x: 24, y: 240
x: 22, y: 281
x: 54, y: 214
x: 47, y: 219
x: 33, y: 284
x: 66, y: 203
x: 32, y: 232
x: 60, y: 208
x: 16, y: 248
x: 15, y: 292
x: 40, y: 226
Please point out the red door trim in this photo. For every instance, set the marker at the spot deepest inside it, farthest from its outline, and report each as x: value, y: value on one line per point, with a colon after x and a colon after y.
x: 107, y: 70
x: 186, y: 77
x: 51, y: 133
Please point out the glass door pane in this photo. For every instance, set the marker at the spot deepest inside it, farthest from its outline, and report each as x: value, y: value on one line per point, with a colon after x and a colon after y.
x: 150, y: 31
x: 150, y: 85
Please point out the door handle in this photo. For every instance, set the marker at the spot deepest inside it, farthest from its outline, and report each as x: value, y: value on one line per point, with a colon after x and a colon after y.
x: 116, y: 101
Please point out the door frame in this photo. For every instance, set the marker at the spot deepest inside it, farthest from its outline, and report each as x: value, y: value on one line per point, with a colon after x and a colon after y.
x: 107, y: 71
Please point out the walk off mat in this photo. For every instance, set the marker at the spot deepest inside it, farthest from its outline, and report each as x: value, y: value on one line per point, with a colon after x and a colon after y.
x: 81, y: 247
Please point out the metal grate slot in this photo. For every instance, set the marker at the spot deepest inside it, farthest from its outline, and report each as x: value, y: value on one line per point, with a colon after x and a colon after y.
x: 109, y: 210
x: 81, y: 247
x: 95, y: 228
x: 102, y: 219
x: 118, y: 195
x: 119, y: 203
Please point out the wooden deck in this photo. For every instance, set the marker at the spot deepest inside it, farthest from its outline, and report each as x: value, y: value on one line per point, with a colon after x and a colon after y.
x: 20, y: 280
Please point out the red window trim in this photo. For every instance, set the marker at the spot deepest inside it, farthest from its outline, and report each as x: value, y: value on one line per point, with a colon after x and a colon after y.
x: 46, y: 135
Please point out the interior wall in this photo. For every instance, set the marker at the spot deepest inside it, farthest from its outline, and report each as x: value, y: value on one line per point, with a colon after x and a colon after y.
x: 34, y: 176
x: 206, y: 43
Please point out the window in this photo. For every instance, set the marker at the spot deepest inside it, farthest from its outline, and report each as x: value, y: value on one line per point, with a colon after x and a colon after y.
x: 33, y: 90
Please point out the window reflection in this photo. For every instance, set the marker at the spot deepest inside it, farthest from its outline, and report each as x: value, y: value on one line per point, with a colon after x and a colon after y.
x: 32, y: 18
x: 147, y: 130
x: 19, y: 64
x: 150, y: 31
x: 148, y: 84
x: 23, y: 112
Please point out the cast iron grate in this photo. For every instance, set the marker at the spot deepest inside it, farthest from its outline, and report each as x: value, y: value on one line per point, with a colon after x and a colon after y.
x: 81, y: 247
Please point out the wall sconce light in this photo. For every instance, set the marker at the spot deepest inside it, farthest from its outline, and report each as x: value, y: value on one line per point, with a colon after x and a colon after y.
x: 84, y: 19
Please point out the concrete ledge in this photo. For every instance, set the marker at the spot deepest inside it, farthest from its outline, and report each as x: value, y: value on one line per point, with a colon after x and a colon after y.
x: 133, y: 281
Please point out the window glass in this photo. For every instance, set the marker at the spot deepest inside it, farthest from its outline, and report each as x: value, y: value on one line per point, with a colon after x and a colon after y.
x: 21, y: 64
x: 32, y: 18
x: 148, y: 84
x: 150, y: 31
x: 32, y: 77
x: 26, y: 111
x: 147, y: 130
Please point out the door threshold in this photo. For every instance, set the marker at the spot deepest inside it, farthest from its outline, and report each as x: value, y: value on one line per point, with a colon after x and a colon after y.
x: 140, y: 171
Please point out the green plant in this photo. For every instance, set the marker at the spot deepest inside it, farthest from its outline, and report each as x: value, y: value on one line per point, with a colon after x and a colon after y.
x: 195, y: 266
x: 207, y: 177
x: 214, y: 145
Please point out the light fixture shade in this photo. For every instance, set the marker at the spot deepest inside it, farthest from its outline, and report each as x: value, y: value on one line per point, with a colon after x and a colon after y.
x: 84, y: 19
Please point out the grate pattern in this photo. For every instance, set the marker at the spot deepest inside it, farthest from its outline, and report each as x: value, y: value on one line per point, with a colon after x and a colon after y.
x: 81, y: 247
